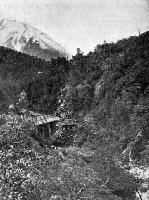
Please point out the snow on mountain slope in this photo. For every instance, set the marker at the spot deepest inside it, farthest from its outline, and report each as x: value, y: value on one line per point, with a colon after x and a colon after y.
x: 26, y: 39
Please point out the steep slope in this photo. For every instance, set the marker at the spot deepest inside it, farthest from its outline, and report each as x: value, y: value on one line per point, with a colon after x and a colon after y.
x: 26, y: 39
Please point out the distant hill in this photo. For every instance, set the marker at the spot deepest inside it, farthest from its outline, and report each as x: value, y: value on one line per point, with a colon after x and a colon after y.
x: 26, y: 39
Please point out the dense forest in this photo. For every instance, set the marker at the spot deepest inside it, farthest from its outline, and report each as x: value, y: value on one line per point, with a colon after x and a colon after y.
x: 20, y: 71
x: 106, y: 93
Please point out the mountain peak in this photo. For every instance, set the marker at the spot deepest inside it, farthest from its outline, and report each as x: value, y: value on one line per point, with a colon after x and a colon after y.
x: 26, y: 39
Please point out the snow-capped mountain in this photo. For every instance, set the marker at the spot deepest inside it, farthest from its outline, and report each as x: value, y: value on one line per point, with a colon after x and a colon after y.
x: 26, y: 39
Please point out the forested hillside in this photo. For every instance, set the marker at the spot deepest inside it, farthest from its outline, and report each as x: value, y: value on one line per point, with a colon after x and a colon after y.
x: 18, y: 71
x: 111, y: 85
x: 108, y: 90
x: 106, y: 93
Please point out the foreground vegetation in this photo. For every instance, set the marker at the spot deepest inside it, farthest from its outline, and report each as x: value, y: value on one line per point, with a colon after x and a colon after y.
x: 31, y: 172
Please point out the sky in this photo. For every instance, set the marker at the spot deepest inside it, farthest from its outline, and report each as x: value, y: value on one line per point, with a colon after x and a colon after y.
x: 80, y: 23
